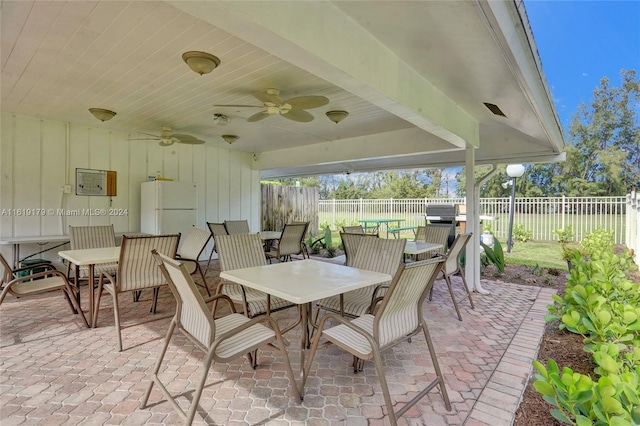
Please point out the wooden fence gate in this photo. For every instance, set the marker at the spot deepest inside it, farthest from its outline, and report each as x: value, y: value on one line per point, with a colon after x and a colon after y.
x: 286, y: 204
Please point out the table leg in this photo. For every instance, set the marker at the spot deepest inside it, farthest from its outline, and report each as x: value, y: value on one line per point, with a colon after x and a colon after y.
x: 304, y: 337
x: 16, y: 255
x: 91, y: 296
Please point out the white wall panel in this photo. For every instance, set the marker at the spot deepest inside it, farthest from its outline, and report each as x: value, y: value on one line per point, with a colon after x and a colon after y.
x: 27, y: 183
x: 212, y: 185
x: 38, y: 158
x: 119, y: 162
x: 54, y: 136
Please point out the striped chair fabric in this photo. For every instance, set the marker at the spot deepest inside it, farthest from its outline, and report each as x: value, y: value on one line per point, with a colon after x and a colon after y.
x: 194, y: 319
x: 303, y: 244
x: 245, y: 251
x: 237, y: 226
x: 49, y: 279
x: 433, y: 233
x: 397, y: 316
x: 357, y: 229
x: 216, y: 229
x: 452, y: 266
x: 190, y: 250
x: 88, y: 237
x: 350, y: 243
x: 289, y: 243
x: 373, y: 254
x: 137, y: 270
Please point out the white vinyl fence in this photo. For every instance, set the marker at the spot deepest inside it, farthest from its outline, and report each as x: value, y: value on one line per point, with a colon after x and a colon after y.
x: 633, y: 224
x: 540, y: 216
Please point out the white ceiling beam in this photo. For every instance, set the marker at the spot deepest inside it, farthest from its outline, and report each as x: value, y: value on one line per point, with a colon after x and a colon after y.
x: 389, y: 145
x: 321, y: 39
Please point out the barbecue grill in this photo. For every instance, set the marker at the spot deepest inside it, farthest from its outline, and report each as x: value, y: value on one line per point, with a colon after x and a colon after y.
x: 445, y: 214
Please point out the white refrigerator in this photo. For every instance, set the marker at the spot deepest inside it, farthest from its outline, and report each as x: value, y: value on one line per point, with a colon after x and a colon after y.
x: 168, y: 207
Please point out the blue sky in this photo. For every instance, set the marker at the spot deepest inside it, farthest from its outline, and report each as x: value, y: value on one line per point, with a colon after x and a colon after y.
x: 580, y: 42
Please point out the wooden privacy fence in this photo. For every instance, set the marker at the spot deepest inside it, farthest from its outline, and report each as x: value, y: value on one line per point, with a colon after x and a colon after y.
x: 286, y: 204
x: 540, y: 216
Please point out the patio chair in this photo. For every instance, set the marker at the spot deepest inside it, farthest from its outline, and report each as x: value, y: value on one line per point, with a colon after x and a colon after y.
x: 88, y: 237
x: 373, y: 254
x: 452, y: 266
x: 216, y: 229
x: 398, y: 315
x: 350, y: 243
x: 245, y: 251
x: 137, y: 270
x: 289, y: 243
x: 433, y: 233
x: 303, y: 243
x: 222, y: 339
x: 237, y: 227
x: 34, y: 283
x: 357, y: 229
x: 190, y: 250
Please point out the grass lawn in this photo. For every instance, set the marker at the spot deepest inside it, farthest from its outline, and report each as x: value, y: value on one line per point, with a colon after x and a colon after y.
x: 547, y: 254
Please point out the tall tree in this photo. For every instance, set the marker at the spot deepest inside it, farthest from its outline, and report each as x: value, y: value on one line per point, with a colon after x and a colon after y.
x: 603, y: 153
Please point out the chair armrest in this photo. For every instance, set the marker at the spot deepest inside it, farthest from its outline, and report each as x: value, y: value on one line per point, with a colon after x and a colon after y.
x: 38, y: 275
x: 226, y: 298
x: 34, y: 266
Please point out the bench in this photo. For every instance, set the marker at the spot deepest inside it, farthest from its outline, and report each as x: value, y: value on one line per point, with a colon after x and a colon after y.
x: 396, y: 231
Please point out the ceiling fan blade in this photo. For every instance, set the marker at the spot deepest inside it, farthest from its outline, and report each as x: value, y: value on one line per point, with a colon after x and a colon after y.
x: 268, y: 97
x: 258, y: 116
x: 299, y: 115
x: 240, y: 106
x: 143, y: 139
x: 188, y: 139
x: 307, y: 102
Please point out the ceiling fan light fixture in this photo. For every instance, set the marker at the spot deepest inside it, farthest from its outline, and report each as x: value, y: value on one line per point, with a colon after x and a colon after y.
x: 102, y: 114
x: 337, y: 115
x: 221, y: 119
x: 201, y: 62
x: 230, y: 138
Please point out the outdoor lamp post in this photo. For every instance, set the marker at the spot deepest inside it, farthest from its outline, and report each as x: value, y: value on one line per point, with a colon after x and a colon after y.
x: 514, y: 171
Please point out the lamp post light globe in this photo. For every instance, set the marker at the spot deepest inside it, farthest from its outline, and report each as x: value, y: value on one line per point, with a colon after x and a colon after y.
x: 514, y: 171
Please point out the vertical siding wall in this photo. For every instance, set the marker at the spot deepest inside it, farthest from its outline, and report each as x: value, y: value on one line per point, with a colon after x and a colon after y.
x: 37, y: 158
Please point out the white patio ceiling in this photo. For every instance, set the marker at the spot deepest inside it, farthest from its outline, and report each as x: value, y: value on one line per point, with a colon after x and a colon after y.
x: 413, y: 76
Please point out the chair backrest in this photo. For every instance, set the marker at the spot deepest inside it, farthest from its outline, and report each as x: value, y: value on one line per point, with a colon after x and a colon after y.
x: 217, y: 229
x: 237, y: 226
x: 137, y: 268
x: 380, y: 254
x: 421, y: 233
x: 452, y: 264
x: 240, y: 251
x: 400, y: 311
x: 438, y: 234
x: 306, y: 228
x: 350, y: 243
x: 194, y: 243
x: 87, y: 237
x: 191, y: 308
x: 291, y: 240
x: 357, y: 229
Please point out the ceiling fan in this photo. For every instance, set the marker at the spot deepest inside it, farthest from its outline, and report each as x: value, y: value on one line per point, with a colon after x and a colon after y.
x: 167, y: 137
x: 292, y: 109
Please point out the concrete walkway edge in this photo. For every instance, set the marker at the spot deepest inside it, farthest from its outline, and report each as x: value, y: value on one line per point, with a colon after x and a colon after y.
x: 500, y: 398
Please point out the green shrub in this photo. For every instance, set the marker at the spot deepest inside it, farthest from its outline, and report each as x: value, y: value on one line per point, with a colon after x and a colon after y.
x: 493, y: 255
x: 603, y: 305
x: 521, y: 234
x: 564, y: 234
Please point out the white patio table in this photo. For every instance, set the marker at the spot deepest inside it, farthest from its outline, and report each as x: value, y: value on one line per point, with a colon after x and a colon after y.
x: 90, y: 258
x: 302, y: 282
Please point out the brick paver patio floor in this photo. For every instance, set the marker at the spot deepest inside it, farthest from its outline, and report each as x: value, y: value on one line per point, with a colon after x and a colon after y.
x: 54, y: 371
